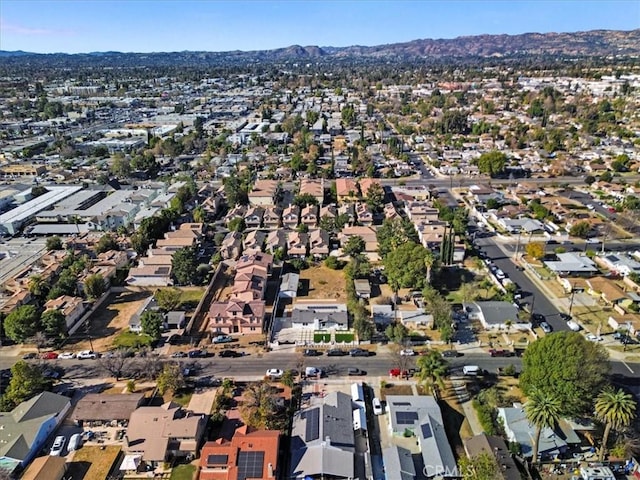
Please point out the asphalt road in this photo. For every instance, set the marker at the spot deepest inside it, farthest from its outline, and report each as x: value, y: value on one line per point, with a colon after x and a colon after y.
x: 533, y: 295
x: 255, y: 366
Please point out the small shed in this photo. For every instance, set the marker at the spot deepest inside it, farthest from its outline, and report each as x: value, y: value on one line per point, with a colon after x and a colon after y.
x: 363, y: 288
x: 289, y: 285
x: 46, y: 468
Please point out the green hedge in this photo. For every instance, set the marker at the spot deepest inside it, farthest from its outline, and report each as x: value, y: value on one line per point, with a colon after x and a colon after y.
x: 344, y: 337
x: 486, y: 417
x: 321, y: 337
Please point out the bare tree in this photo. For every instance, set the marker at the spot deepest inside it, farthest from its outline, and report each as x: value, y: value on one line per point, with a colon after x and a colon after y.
x: 117, y: 362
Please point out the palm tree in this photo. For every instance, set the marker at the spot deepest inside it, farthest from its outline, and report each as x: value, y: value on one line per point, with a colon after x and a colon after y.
x: 616, y: 409
x: 432, y: 369
x: 543, y: 411
x: 429, y: 260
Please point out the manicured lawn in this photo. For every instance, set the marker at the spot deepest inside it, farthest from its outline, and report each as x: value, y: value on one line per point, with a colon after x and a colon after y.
x: 183, y: 472
x: 133, y: 340
x: 321, y: 337
x: 344, y: 337
x: 189, y: 297
x: 183, y: 397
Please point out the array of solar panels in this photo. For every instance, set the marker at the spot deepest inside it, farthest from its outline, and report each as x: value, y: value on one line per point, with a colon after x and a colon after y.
x: 406, y: 418
x: 312, y: 427
x: 250, y: 465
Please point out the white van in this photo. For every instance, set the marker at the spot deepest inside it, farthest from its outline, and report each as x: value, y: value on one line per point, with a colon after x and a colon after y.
x: 74, y: 442
x: 313, y: 372
x: 471, y: 370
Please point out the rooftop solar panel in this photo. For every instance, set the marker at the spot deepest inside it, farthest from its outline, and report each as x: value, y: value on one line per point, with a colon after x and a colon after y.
x: 312, y: 428
x: 250, y: 465
x: 406, y: 418
x: 426, y: 430
x: 217, y: 459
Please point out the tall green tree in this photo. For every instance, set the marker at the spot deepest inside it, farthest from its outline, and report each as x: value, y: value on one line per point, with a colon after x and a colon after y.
x: 481, y: 467
x: 168, y: 298
x: 107, y: 242
x: 393, y: 233
x: 184, y: 266
x: 406, y: 266
x: 354, y: 246
x: 171, y: 378
x: 22, y: 323
x: 396, y: 332
x: 53, y: 243
x: 151, y: 323
x: 492, y: 163
x: 54, y: 323
x: 375, y: 197
x: 95, y: 285
x: 543, y: 410
x: 567, y: 367
x: 617, y: 410
x: 26, y: 381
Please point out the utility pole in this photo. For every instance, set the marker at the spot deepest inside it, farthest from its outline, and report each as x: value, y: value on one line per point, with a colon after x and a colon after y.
x: 518, y: 244
x: 573, y: 293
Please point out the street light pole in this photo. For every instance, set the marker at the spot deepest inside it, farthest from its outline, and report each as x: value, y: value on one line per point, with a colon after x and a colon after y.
x: 573, y: 292
x: 518, y: 244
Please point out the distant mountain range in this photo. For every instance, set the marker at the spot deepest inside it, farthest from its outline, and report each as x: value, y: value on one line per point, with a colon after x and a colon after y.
x: 595, y: 43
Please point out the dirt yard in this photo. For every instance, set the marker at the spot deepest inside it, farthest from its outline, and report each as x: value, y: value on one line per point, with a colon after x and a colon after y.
x: 92, y: 462
x: 108, y: 321
x: 321, y: 282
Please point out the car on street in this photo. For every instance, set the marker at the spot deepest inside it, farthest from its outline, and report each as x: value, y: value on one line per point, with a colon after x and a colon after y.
x: 87, y: 355
x: 336, y: 352
x: 30, y: 356
x: 573, y: 326
x: 565, y: 316
x: 546, y: 328
x: 358, y: 352
x: 313, y: 372
x: 407, y: 352
x: 197, y: 353
x: 274, y: 373
x: 229, y: 354
x: 377, y: 406
x: 353, y: 371
x: 451, y: 354
x: 58, y: 446
x: 67, y: 355
x: 500, y: 353
x: 593, y: 338
x: 222, y: 339
x: 310, y: 352
x: 179, y: 355
x: 537, y: 318
x: 49, y: 356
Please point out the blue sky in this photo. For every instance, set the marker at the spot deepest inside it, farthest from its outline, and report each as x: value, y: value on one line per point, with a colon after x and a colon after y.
x: 173, y: 25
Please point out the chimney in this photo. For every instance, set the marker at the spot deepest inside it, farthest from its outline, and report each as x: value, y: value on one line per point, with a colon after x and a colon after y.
x: 270, y: 470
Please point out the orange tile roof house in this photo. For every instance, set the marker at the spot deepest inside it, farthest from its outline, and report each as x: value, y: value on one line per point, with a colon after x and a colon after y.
x: 366, y: 183
x: 315, y: 188
x: 249, y: 455
x: 346, y: 189
x: 264, y: 192
x: 71, y: 307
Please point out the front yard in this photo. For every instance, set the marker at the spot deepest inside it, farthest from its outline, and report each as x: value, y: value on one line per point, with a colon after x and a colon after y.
x: 91, y: 462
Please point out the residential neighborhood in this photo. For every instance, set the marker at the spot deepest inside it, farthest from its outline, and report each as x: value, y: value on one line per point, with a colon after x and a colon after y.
x: 260, y: 274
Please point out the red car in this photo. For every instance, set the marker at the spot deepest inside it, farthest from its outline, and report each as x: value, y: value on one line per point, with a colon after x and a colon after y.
x: 49, y: 355
x: 395, y: 372
x: 500, y: 353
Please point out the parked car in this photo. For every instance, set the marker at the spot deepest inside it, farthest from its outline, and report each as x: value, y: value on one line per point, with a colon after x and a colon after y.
x: 377, y: 406
x: 174, y: 339
x: 310, y: 352
x: 67, y: 356
x: 274, y: 373
x: 222, y: 339
x: 396, y: 372
x: 594, y: 338
x: 565, y: 316
x: 573, y: 326
x: 313, y: 372
x: 229, y: 354
x: 336, y: 352
x: 451, y: 354
x: 49, y: 356
x: 30, y: 356
x: 178, y: 355
x: 500, y: 353
x: 407, y: 352
x: 537, y: 318
x: 358, y: 352
x: 198, y: 353
x: 87, y: 355
x: 352, y: 371
x: 58, y: 446
x: 546, y: 328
